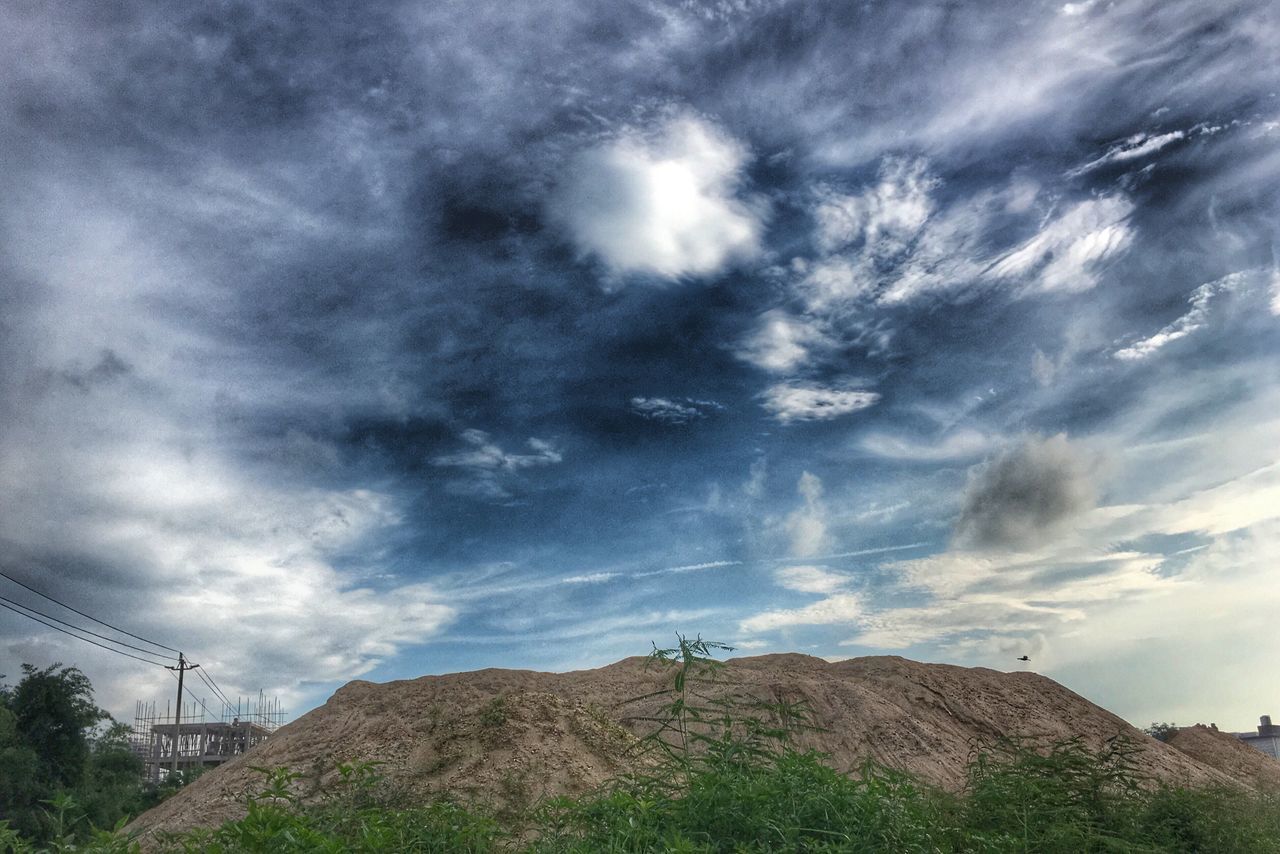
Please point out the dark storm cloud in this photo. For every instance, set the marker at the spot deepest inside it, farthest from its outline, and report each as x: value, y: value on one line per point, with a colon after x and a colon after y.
x: 1024, y: 496
x: 108, y: 367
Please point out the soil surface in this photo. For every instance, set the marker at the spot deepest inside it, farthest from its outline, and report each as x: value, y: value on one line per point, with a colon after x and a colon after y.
x: 1228, y: 754
x: 511, y: 737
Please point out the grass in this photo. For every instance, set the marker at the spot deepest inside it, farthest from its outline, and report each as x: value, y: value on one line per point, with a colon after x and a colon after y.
x: 727, y: 780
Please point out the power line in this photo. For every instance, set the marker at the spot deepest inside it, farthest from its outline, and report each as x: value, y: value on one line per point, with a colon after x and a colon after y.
x: 77, y: 637
x: 197, y: 699
x: 216, y: 689
x: 86, y: 616
x: 78, y: 628
x: 207, y: 685
x: 208, y: 681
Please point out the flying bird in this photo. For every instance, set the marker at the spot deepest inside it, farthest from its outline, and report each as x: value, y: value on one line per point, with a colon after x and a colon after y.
x: 1023, y: 658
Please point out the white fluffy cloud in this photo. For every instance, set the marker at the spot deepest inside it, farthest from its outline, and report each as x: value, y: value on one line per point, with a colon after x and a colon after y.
x: 790, y: 402
x: 666, y: 202
x: 242, y: 575
x: 782, y: 342
x: 807, y: 525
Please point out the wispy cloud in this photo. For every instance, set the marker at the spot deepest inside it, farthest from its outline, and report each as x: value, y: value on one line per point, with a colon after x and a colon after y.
x: 834, y: 610
x: 791, y: 403
x: 1195, y: 318
x: 810, y: 579
x: 668, y: 411
x: 1078, y: 8
x: 859, y: 552
x: 1065, y: 254
x: 590, y: 578
x: 956, y: 445
x: 492, y: 470
x: 689, y: 567
x: 884, y: 217
x: 486, y: 455
x: 921, y: 248
x: 1136, y: 146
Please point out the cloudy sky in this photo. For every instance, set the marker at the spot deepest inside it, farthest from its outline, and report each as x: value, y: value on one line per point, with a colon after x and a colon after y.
x: 433, y: 336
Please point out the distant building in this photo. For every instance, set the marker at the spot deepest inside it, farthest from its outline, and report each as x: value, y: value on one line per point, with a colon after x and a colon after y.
x: 199, y: 742
x: 199, y: 745
x: 1266, y: 739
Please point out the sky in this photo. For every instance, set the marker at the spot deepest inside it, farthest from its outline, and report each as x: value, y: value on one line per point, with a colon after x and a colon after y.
x: 406, y: 338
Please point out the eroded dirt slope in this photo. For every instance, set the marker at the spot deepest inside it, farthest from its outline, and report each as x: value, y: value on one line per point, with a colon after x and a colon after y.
x: 513, y: 736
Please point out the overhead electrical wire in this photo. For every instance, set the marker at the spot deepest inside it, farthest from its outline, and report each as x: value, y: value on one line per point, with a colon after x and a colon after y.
x: 218, y: 690
x: 208, y: 681
x: 79, y: 628
x: 71, y: 630
x: 87, y: 616
x: 198, y: 700
x: 78, y: 637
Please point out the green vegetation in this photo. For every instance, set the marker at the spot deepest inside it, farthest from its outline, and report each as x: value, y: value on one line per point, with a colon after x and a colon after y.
x: 721, y: 776
x: 65, y: 766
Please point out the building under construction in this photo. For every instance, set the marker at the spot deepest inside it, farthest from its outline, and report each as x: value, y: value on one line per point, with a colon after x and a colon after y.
x: 200, y: 739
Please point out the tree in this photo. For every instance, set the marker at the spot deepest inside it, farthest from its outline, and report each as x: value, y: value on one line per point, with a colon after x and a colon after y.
x: 112, y: 783
x: 52, y: 746
x: 55, y: 715
x: 18, y: 764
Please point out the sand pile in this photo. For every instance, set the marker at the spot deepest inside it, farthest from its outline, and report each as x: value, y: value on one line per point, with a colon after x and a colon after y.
x: 513, y: 736
x: 1229, y: 755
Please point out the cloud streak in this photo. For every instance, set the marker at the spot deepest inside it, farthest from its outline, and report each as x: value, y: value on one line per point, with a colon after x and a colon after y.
x: 1195, y: 318
x: 790, y: 403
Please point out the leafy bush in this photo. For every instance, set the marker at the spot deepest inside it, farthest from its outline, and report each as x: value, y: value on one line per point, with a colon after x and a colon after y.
x: 58, y: 747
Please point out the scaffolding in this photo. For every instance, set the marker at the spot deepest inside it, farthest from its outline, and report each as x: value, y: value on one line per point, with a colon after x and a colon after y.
x: 200, y: 739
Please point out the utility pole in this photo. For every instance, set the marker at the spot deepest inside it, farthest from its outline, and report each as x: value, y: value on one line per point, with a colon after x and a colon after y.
x: 182, y: 668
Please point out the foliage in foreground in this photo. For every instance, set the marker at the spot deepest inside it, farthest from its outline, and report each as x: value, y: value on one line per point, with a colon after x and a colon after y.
x: 724, y: 778
x: 1071, y: 800
x: 58, y: 748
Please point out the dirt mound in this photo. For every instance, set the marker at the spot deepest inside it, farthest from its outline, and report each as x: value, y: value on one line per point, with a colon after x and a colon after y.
x: 1228, y: 754
x: 514, y: 736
